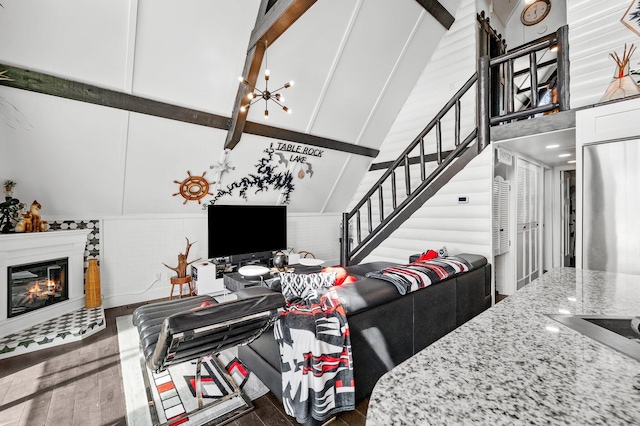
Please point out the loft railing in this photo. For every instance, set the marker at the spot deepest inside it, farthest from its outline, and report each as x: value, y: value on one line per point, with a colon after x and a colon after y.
x: 557, y: 41
x: 355, y: 244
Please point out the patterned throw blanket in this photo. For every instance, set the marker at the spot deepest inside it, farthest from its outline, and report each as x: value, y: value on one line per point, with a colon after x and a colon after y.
x: 315, y: 357
x: 419, y: 274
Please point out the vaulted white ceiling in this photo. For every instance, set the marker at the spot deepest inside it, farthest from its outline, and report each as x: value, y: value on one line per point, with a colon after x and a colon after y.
x: 354, y: 62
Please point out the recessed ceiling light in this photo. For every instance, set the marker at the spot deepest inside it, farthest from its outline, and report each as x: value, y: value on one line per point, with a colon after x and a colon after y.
x: 564, y: 155
x: 552, y: 146
x: 571, y: 161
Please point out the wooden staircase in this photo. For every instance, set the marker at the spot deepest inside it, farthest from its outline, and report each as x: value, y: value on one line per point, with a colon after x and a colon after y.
x: 384, y: 208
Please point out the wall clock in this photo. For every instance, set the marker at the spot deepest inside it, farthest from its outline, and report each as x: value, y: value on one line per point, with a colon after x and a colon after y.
x: 535, y: 12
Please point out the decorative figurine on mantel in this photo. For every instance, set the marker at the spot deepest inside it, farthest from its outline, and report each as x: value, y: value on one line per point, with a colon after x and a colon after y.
x: 32, y: 221
x: 182, y: 277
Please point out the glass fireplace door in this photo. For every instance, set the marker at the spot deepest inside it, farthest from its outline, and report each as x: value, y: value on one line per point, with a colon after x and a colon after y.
x: 37, y: 285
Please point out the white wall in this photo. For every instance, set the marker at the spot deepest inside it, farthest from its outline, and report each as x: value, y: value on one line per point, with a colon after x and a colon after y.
x: 452, y: 64
x: 441, y: 221
x: 134, y: 247
x: 518, y: 34
x: 66, y: 39
x: 495, y: 21
x: 595, y: 31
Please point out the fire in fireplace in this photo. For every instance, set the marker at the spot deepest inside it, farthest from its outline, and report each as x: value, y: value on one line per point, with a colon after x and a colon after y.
x: 36, y: 285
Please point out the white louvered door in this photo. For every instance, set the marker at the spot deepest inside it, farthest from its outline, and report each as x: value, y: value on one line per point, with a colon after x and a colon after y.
x: 500, y: 216
x: 528, y: 209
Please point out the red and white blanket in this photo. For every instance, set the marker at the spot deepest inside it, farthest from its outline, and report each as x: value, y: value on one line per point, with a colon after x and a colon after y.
x: 315, y: 357
x: 422, y: 273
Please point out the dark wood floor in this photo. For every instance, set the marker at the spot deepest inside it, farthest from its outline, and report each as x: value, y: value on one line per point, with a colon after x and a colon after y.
x: 81, y: 384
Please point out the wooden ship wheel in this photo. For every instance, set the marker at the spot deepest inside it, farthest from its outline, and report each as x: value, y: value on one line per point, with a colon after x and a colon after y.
x: 194, y: 188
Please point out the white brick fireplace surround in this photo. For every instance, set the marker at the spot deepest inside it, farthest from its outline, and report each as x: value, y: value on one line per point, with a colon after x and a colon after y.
x: 19, y: 249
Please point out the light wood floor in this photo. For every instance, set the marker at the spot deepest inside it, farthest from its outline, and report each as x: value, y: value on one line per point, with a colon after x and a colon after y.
x: 81, y: 384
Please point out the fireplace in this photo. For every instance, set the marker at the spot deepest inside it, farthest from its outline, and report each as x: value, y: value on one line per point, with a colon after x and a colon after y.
x: 40, y: 256
x: 37, y: 285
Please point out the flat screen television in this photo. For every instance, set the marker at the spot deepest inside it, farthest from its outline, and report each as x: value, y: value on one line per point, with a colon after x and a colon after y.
x: 246, y: 233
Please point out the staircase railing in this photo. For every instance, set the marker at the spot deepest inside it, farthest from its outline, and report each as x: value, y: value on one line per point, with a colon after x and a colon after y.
x: 558, y: 41
x: 388, y: 221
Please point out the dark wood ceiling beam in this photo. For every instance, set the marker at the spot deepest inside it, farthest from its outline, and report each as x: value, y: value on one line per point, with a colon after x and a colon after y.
x: 307, y: 139
x: 239, y: 118
x: 269, y: 26
x: 438, y: 11
x: 55, y: 86
x: 277, y: 20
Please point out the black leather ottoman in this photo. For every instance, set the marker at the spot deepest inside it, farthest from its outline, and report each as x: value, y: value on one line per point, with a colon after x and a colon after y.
x: 149, y: 318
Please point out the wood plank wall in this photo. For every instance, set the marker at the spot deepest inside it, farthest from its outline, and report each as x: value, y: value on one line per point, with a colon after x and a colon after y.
x: 595, y: 31
x: 432, y: 226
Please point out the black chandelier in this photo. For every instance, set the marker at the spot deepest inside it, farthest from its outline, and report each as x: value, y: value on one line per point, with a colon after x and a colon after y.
x: 256, y: 94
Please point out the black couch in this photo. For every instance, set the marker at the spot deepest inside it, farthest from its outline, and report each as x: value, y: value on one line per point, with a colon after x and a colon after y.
x: 386, y: 327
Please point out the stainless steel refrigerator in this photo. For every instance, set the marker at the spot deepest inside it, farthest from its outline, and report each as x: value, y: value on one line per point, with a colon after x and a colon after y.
x: 611, y: 207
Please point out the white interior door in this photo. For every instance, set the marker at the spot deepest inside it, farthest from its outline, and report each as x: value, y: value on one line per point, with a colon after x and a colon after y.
x: 528, y: 208
x: 500, y: 216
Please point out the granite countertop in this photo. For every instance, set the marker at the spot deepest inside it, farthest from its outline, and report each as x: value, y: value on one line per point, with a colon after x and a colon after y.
x: 514, y: 365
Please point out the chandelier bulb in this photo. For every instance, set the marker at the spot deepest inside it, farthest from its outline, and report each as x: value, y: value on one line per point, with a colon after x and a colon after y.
x: 266, y: 95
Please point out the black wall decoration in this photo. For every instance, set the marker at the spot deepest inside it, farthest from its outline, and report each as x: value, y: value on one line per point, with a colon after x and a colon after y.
x: 266, y: 178
x: 298, y: 154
